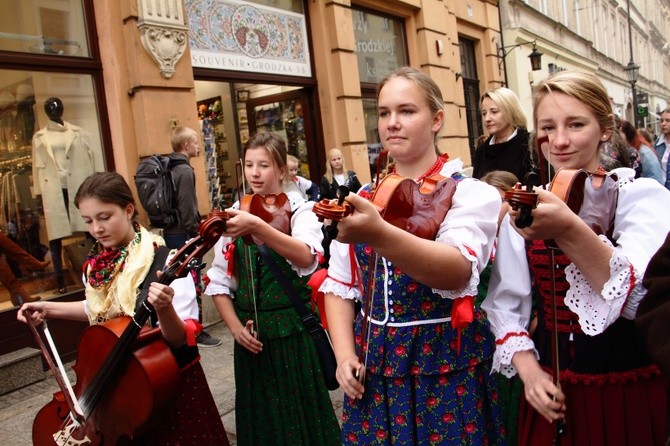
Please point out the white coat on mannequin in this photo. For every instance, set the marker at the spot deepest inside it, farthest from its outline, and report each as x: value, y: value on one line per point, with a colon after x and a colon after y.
x: 80, y: 161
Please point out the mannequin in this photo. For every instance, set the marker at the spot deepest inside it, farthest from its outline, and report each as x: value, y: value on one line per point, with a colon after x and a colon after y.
x: 62, y: 159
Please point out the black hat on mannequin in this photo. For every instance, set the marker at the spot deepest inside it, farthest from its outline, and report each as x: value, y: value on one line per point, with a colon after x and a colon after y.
x: 54, y: 109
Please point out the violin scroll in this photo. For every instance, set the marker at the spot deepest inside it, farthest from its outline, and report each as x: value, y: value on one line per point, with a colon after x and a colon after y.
x: 523, y: 200
x: 333, y: 210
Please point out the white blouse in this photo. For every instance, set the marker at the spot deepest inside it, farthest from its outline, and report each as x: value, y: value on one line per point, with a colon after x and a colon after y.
x: 642, y: 221
x: 470, y: 226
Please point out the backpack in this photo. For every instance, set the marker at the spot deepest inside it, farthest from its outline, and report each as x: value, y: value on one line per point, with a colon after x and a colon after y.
x: 155, y: 189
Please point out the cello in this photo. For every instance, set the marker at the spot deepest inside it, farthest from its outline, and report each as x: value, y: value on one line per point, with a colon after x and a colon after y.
x: 126, y: 374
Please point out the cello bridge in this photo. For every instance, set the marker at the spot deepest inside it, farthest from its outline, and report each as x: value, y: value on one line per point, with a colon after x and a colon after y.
x: 64, y: 437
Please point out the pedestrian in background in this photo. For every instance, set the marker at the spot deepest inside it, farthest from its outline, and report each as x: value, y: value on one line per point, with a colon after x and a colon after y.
x: 308, y: 189
x: 337, y: 175
x: 186, y: 145
x: 506, y: 148
x: 662, y: 144
x: 649, y: 165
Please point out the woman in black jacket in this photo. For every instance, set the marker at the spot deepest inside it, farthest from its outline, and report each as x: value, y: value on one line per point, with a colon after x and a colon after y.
x: 337, y: 175
x: 506, y: 148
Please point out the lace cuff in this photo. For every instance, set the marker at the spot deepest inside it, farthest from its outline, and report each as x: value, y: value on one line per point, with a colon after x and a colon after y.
x: 505, y: 350
x: 597, y: 311
x: 470, y: 288
x: 302, y: 272
x: 340, y: 289
x: 214, y: 289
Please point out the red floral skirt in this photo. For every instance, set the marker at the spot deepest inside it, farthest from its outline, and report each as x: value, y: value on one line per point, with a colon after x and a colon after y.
x: 613, y: 409
x: 193, y: 419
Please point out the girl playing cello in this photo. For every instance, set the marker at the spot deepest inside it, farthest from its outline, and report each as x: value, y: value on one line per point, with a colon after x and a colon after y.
x: 116, y: 267
x: 281, y: 397
x: 609, y: 391
x: 418, y: 383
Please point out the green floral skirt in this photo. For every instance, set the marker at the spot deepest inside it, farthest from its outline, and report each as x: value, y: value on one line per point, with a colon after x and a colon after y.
x: 281, y: 398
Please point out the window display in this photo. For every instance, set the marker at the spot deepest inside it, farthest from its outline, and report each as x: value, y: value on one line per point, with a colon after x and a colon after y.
x: 54, y: 27
x: 48, y: 145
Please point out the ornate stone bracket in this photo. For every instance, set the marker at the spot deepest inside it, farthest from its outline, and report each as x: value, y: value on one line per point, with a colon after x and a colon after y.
x: 163, y: 32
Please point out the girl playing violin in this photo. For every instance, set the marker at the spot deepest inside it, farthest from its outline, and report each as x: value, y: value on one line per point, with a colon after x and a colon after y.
x: 609, y: 393
x: 420, y: 379
x: 281, y: 397
x: 115, y: 270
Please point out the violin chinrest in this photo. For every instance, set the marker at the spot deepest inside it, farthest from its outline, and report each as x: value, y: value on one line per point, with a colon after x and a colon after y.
x: 416, y: 208
x: 274, y: 209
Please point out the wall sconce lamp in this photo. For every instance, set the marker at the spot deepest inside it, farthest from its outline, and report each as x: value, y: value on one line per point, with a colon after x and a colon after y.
x: 535, y: 56
x: 458, y: 76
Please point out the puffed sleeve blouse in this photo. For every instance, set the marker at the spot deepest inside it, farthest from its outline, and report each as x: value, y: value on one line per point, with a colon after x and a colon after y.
x: 642, y: 219
x: 469, y: 225
x: 305, y: 227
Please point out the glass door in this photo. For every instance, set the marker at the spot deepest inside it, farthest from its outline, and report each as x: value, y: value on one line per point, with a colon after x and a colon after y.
x: 288, y: 115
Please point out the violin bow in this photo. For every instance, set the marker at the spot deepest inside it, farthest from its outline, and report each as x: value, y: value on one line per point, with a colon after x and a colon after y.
x: 56, y: 366
x: 370, y: 288
x: 545, y: 170
x: 251, y: 276
x: 367, y: 317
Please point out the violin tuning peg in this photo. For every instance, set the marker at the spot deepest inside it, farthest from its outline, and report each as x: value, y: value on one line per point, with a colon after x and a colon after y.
x: 342, y: 192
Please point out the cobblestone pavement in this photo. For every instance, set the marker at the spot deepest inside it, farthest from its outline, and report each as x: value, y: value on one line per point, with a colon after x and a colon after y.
x: 18, y: 408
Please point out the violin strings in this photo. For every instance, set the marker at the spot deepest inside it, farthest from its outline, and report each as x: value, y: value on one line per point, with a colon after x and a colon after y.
x: 372, y: 299
x: 247, y: 251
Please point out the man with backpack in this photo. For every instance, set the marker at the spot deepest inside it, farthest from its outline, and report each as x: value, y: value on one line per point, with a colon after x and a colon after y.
x: 166, y: 188
x: 186, y: 145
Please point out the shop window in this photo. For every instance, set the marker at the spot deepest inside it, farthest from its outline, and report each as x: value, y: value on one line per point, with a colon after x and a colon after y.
x: 471, y: 92
x: 372, y: 134
x: 54, y: 27
x: 380, y: 49
x: 380, y: 44
x: 50, y: 141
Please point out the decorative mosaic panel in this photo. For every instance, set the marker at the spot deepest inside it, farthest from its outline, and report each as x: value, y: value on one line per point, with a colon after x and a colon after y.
x: 240, y: 36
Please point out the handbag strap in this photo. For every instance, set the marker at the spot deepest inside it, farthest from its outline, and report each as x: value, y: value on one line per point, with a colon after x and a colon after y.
x: 161, y: 254
x: 308, y: 319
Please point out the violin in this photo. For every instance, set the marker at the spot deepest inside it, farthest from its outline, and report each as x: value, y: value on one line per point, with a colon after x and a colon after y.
x: 274, y: 209
x: 126, y: 374
x: 593, y: 201
x: 568, y: 185
x: 416, y: 208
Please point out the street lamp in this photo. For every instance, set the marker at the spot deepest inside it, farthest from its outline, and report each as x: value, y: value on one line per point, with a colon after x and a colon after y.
x: 535, y: 56
x: 632, y: 70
